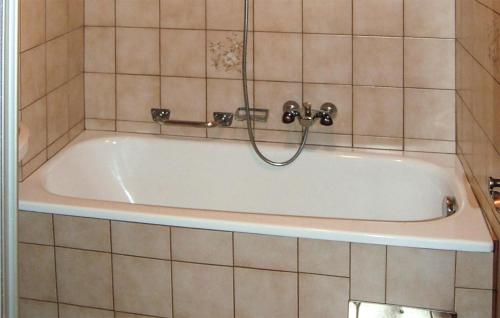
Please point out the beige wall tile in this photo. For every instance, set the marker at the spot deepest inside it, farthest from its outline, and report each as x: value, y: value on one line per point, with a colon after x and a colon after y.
x: 341, y: 96
x: 202, y: 246
x: 84, y: 233
x: 57, y: 113
x: 124, y: 315
x: 378, y: 111
x: 36, y: 272
x: 99, y: 49
x: 100, y: 12
x: 35, y: 163
x: 263, y: 251
x: 224, y: 55
x: 32, y: 75
x: 142, y: 285
x: 475, y: 270
x: 57, y: 18
x: 378, y: 17
x: 35, y: 118
x: 370, y: 53
x: 76, y: 51
x: 474, y: 303
x: 100, y: 124
x: 183, y: 14
x: 260, y: 293
x: 227, y: 15
x: 321, y: 66
x: 32, y: 23
x: 33, y: 308
x: 288, y: 47
x: 324, y: 257
x: 278, y: 15
x: 328, y: 16
x: 67, y: 311
x: 76, y: 14
x: 202, y: 290
x: 138, y: 127
x: 57, y: 62
x: 368, y: 269
x: 138, y: 51
x: 323, y: 296
x: 76, y: 100
x: 135, y: 96
x: 430, y: 18
x: 100, y: 96
x: 34, y: 227
x: 374, y: 142
x: 429, y: 63
x: 430, y: 114
x: 430, y: 273
x: 183, y: 53
x: 144, y: 240
x: 57, y: 145
x: 137, y: 13
x: 426, y: 145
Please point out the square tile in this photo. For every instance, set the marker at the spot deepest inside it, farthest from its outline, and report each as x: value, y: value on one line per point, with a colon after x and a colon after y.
x: 32, y: 23
x: 36, y: 271
x: 76, y: 52
x: 475, y: 270
x: 83, y: 233
x: 202, y: 246
x: 260, y: 293
x: 202, y: 290
x: 100, y: 12
x: 136, y: 95
x: 183, y: 14
x: 324, y: 257
x: 34, y: 308
x: 286, y: 46
x: 321, y: 65
x: 57, y: 114
x: 278, y: 15
x: 264, y: 251
x: 372, y: 52
x: 32, y: 74
x: 100, y: 96
x: 35, y: 118
x: 138, y: 51
x: 368, y: 269
x: 84, y: 278
x: 142, y: 286
x: 323, y: 296
x: 57, y: 62
x: 429, y: 63
x: 378, y: 111
x: 430, y: 18
x: 34, y: 227
x: 76, y: 100
x: 137, y: 13
x: 56, y: 18
x: 183, y: 53
x: 429, y: 273
x: 227, y: 15
x: 474, y: 303
x: 146, y: 240
x: 378, y: 17
x: 430, y: 114
x: 76, y: 13
x: 328, y: 16
x: 99, y: 49
x: 67, y: 311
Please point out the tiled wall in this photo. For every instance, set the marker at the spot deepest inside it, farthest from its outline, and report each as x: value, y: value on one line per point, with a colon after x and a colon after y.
x: 81, y: 267
x: 51, y: 100
x: 387, y: 64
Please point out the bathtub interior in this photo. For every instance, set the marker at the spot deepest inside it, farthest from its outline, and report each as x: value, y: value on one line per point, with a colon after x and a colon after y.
x: 226, y: 176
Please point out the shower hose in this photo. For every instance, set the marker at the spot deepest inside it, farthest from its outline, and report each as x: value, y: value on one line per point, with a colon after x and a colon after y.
x: 251, y: 135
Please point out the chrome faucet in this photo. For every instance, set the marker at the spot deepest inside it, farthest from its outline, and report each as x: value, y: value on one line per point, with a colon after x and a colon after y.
x: 493, y: 186
x: 308, y: 116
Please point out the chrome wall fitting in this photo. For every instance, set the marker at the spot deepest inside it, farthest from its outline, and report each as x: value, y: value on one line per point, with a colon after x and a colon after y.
x: 256, y: 114
x: 359, y: 309
x: 308, y: 116
x: 493, y: 186
x: 162, y: 116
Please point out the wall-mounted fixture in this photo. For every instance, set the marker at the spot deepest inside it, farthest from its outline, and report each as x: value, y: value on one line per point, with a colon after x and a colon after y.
x: 162, y: 116
x: 494, y: 186
x: 308, y: 116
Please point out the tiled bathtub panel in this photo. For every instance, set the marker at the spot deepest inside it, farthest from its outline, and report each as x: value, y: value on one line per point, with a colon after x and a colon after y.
x: 325, y: 276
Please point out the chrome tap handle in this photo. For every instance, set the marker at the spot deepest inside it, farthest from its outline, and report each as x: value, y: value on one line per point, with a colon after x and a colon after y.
x: 493, y: 184
x: 291, y: 110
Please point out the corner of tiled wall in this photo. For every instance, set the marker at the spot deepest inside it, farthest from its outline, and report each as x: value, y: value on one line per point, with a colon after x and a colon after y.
x: 388, y: 65
x: 51, y: 101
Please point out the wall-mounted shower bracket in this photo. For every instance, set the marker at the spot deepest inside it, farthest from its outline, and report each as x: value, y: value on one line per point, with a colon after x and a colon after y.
x: 162, y: 116
x: 256, y: 114
x: 494, y: 186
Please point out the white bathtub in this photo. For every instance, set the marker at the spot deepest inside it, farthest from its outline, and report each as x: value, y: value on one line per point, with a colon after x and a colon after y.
x: 344, y: 195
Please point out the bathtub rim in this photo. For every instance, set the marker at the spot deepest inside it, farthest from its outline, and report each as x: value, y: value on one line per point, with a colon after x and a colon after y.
x: 446, y: 233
